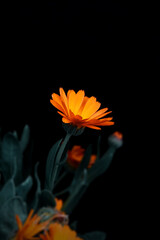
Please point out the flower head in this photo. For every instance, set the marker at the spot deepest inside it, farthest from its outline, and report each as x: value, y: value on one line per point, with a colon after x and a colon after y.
x: 79, y: 110
x: 75, y: 156
x: 59, y: 232
x: 30, y: 228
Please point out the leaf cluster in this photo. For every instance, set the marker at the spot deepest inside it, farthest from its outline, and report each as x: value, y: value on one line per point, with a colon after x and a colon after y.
x: 17, y: 181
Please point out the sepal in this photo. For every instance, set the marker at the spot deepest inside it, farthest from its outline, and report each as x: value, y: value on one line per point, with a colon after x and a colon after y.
x: 72, y: 130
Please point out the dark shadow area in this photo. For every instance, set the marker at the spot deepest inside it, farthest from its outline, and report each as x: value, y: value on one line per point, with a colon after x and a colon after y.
x: 108, y: 49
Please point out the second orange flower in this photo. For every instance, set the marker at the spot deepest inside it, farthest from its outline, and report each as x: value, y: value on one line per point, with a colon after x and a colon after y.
x: 80, y: 110
x: 75, y: 156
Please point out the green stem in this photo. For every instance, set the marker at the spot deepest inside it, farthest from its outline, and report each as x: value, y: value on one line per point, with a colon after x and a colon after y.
x: 62, y: 192
x: 76, y: 192
x: 73, y: 199
x: 60, y: 178
x: 58, y: 157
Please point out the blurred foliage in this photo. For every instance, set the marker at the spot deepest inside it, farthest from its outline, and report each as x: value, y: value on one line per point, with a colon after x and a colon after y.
x: 20, y: 193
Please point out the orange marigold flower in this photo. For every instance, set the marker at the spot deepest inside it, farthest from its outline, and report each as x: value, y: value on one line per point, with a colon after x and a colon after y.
x: 75, y: 156
x: 59, y: 204
x: 79, y: 110
x: 59, y: 232
x: 30, y: 228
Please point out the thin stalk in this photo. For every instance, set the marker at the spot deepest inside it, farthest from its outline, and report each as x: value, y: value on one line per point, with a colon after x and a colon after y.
x: 76, y: 193
x: 62, y: 192
x: 60, y: 178
x: 58, y: 157
x: 74, y: 199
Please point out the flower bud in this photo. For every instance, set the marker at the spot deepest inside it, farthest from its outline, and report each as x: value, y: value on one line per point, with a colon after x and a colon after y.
x: 116, y: 139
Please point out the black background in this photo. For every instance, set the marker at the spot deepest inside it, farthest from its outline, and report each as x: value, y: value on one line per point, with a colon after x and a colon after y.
x: 108, y: 48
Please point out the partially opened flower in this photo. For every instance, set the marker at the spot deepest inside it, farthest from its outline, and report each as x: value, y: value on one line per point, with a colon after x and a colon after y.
x: 30, y: 228
x: 79, y: 110
x: 59, y: 232
x: 75, y: 156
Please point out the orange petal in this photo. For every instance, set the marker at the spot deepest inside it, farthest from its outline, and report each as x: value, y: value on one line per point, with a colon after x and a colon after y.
x: 66, y: 120
x: 58, y: 99
x: 71, y: 99
x: 78, y: 101
x: 19, y: 223
x: 44, y: 237
x: 102, y: 115
x: 105, y: 123
x: 72, y: 115
x: 105, y: 119
x: 55, y: 104
x: 100, y: 122
x: 62, y: 114
x: 92, y: 126
x: 64, y: 100
x: 29, y: 216
x: 90, y: 108
x: 99, y: 113
x: 85, y: 99
x: 38, y: 228
x: 59, y: 204
x: 68, y: 93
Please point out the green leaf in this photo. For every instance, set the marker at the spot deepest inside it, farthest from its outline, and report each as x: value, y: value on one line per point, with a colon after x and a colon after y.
x: 15, y: 134
x: 28, y: 163
x: 97, y: 235
x: 74, y: 198
x: 79, y: 183
x: 7, y: 192
x: 46, y: 199
x: 50, y: 164
x: 11, y: 154
x: 25, y: 137
x: 38, y: 189
x: 42, y: 198
x: 101, y: 165
x: 37, y: 178
x: 59, y: 160
x: 24, y: 188
x: 8, y: 224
